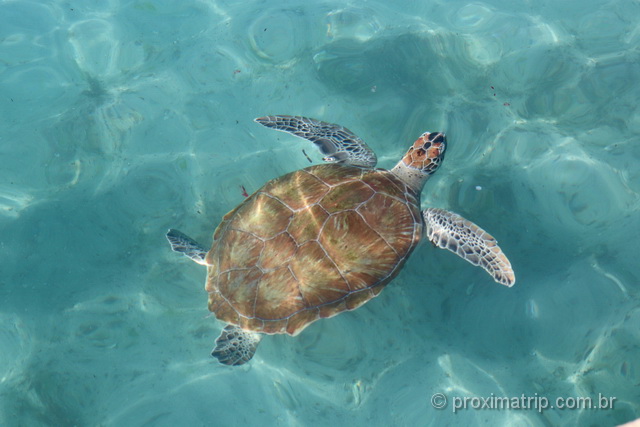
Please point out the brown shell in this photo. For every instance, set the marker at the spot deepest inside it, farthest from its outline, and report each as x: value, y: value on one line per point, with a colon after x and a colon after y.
x: 309, y: 245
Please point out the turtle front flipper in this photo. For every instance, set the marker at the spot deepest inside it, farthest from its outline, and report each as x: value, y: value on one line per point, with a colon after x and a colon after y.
x: 450, y: 231
x: 337, y: 143
x: 185, y: 245
x: 235, y: 346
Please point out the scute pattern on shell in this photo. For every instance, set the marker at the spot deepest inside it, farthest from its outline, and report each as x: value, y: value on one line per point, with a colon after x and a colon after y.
x: 309, y: 245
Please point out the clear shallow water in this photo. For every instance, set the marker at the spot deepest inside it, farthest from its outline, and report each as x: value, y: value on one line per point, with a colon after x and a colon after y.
x: 123, y: 119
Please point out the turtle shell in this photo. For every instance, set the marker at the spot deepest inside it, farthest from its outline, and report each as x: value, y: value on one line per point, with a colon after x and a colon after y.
x: 309, y: 245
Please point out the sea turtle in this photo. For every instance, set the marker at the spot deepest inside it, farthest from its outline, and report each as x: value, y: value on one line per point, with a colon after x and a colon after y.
x: 325, y: 239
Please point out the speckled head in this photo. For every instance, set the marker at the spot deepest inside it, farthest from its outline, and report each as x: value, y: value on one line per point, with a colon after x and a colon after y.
x: 427, y: 153
x: 422, y: 160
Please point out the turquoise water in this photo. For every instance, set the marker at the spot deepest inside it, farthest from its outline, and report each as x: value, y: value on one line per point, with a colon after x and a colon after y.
x: 121, y: 119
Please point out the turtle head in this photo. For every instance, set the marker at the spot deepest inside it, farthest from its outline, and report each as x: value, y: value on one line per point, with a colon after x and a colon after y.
x: 427, y: 152
x: 422, y: 160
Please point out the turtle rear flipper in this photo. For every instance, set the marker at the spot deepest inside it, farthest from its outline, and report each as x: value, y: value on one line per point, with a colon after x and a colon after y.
x: 235, y: 346
x: 185, y: 245
x: 337, y: 143
x: 450, y: 231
